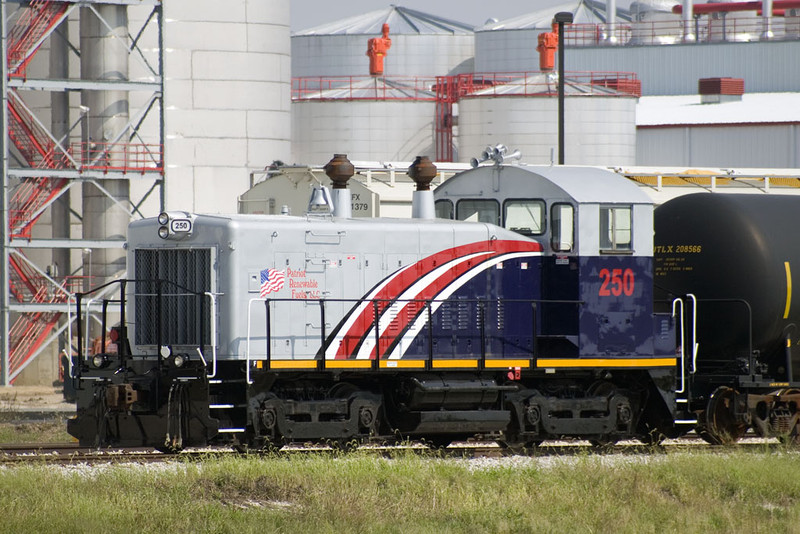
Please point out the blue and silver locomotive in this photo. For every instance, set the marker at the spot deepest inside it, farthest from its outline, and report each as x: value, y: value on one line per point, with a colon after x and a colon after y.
x: 517, y: 306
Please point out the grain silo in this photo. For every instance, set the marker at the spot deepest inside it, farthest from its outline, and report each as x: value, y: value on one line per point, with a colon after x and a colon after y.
x: 510, y: 45
x: 228, y: 98
x: 521, y: 112
x: 422, y: 45
x: 370, y: 118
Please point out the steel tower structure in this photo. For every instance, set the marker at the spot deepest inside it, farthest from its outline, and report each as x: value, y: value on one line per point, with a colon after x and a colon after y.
x: 115, y: 153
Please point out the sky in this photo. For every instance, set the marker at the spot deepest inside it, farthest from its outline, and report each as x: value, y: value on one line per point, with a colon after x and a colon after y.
x: 310, y: 13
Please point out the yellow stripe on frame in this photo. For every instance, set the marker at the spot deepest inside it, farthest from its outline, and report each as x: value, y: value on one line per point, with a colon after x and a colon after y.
x: 348, y: 364
x: 293, y: 364
x: 402, y: 364
x: 454, y: 364
x: 504, y: 364
x: 606, y: 362
x: 788, y: 289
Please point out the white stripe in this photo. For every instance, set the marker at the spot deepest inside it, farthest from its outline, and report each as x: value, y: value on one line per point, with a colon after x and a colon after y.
x: 365, y: 350
x: 355, y: 313
x: 422, y: 319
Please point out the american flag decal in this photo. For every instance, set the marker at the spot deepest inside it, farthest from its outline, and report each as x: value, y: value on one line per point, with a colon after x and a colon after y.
x: 271, y: 280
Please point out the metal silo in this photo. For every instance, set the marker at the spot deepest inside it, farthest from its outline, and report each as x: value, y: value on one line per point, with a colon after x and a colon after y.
x: 655, y: 23
x: 422, y: 45
x: 521, y: 113
x: 368, y: 118
x: 227, y: 98
x: 510, y: 45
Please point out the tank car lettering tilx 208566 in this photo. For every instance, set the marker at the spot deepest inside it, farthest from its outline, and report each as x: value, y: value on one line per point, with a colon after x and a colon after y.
x: 529, y: 318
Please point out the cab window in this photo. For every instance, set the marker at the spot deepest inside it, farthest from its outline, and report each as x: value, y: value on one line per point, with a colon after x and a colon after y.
x: 616, y: 228
x: 478, y: 210
x: 525, y: 217
x: 444, y: 209
x: 562, y: 220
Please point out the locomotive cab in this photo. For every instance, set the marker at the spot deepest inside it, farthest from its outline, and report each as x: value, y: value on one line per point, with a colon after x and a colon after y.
x: 596, y: 231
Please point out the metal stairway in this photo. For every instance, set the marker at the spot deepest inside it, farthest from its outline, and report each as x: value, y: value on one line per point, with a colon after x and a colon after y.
x: 30, y: 31
x: 32, y: 195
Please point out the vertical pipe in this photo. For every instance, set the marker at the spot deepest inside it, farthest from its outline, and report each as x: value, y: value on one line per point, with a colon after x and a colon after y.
x: 561, y: 93
x: 561, y: 18
x: 59, y: 126
x: 4, y: 274
x: 766, y: 19
x: 161, y: 130
x: 688, y: 22
x: 611, y: 21
x: 104, y: 58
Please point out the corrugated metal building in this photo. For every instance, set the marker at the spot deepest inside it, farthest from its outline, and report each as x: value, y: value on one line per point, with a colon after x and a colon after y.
x: 761, y: 130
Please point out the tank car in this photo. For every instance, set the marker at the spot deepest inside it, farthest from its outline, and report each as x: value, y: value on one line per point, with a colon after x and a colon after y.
x: 729, y: 258
x: 530, y: 319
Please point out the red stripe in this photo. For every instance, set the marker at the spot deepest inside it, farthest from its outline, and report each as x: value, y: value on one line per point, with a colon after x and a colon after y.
x: 354, y: 336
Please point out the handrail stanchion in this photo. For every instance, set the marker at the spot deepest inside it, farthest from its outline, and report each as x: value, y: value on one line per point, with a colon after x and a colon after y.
x: 695, y: 345
x: 247, y: 342
x: 430, y: 335
x: 377, y: 331
x: 213, y: 315
x: 677, y: 304
x: 268, y: 331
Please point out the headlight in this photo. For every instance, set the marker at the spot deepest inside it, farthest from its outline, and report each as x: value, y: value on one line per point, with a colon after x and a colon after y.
x: 99, y: 361
x: 163, y: 232
x: 163, y: 218
x: 178, y: 360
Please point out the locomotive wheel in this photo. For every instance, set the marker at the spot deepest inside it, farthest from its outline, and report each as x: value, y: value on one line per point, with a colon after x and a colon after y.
x: 720, y: 425
x: 602, y: 388
x: 792, y: 437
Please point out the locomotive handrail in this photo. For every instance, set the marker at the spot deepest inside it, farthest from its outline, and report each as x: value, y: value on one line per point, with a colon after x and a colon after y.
x: 427, y: 304
x: 213, y: 313
x: 695, y: 344
x: 678, y: 303
x: 83, y: 344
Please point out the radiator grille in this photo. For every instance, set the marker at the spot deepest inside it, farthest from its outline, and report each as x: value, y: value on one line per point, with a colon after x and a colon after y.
x: 182, y: 311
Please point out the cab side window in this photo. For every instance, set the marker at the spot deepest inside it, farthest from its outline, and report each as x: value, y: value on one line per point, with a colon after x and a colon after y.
x: 562, y: 221
x: 525, y: 217
x: 616, y: 228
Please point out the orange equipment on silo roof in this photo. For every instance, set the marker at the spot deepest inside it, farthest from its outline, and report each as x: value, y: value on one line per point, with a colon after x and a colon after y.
x: 376, y: 50
x: 548, y: 44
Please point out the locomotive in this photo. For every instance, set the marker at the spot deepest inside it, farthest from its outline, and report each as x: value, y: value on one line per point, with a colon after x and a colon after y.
x: 518, y: 305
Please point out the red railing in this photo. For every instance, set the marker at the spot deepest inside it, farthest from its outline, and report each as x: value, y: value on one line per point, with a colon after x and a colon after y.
x: 321, y: 88
x: 34, y: 22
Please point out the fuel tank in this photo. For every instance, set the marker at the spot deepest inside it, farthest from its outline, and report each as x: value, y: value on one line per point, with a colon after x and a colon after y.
x: 728, y: 250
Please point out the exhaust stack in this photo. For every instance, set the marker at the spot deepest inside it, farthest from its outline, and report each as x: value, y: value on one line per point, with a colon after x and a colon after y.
x: 340, y: 170
x: 422, y: 171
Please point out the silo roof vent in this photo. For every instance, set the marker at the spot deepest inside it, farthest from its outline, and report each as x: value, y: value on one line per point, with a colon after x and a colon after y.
x: 717, y: 90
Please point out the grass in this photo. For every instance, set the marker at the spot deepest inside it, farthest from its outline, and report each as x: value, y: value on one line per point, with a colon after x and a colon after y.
x: 44, y: 431
x: 687, y: 492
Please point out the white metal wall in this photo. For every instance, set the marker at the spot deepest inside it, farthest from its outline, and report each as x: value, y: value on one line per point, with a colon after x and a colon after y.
x: 756, y: 146
x: 410, y: 55
x: 227, y: 98
x: 597, y: 130
x: 364, y: 130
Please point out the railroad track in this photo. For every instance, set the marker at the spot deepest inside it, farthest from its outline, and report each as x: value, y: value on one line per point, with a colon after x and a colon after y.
x: 72, y: 453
